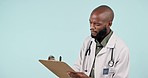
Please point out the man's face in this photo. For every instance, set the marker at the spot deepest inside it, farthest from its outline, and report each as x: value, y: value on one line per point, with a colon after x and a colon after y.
x: 98, y: 25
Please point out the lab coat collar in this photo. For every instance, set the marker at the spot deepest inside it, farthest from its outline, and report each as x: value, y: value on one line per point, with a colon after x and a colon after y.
x: 112, y: 41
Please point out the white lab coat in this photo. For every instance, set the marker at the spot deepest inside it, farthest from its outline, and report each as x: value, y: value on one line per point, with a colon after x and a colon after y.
x: 120, y: 56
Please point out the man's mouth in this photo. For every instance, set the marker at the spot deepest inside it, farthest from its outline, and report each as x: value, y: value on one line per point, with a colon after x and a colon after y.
x: 94, y: 33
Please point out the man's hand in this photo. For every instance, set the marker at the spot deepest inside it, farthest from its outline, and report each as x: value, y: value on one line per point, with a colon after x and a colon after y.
x: 77, y: 75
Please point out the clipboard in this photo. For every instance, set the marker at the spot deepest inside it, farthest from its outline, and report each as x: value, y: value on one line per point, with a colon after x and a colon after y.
x: 59, y: 68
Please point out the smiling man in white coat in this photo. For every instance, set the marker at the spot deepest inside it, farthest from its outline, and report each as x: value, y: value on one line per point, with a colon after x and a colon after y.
x: 103, y: 54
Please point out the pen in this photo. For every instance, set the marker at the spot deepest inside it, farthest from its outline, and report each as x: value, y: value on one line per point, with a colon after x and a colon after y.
x: 60, y: 58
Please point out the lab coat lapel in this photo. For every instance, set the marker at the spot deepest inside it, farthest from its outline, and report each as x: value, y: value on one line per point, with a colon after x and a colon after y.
x: 109, y: 45
x: 93, y: 48
x: 92, y: 55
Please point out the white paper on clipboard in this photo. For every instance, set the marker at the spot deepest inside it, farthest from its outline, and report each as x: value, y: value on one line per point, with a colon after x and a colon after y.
x: 59, y: 68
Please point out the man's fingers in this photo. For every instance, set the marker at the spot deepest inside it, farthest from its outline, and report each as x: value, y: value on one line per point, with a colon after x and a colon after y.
x: 77, y: 75
x: 73, y: 74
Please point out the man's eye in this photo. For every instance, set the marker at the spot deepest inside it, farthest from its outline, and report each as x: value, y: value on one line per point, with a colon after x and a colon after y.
x: 98, y: 25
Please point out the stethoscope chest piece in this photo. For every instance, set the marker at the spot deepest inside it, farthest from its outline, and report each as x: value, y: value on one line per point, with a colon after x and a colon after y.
x: 111, y: 63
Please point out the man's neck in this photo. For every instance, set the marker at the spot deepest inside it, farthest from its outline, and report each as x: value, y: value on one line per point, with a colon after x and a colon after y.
x: 99, y: 39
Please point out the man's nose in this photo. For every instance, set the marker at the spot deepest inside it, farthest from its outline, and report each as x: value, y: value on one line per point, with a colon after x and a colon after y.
x: 92, y: 26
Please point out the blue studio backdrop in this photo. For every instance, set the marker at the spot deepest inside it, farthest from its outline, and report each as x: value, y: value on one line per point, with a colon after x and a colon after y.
x: 34, y: 29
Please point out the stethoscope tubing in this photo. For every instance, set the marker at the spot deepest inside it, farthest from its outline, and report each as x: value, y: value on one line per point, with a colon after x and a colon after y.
x: 88, y: 51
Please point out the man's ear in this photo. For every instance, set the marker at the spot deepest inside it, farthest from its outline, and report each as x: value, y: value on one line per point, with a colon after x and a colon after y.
x: 110, y: 23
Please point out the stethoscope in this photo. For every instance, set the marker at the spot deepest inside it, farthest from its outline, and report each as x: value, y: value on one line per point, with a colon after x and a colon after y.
x: 110, y: 63
x: 88, y: 50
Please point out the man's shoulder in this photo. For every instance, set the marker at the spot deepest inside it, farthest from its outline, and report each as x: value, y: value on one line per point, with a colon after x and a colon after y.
x: 121, y: 47
x: 118, y: 41
x: 88, y: 38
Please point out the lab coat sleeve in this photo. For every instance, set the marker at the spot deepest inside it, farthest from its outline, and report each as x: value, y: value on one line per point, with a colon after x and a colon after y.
x: 78, y: 65
x: 122, y: 64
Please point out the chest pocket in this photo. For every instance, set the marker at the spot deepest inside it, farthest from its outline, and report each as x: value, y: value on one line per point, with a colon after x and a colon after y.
x: 109, y: 70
